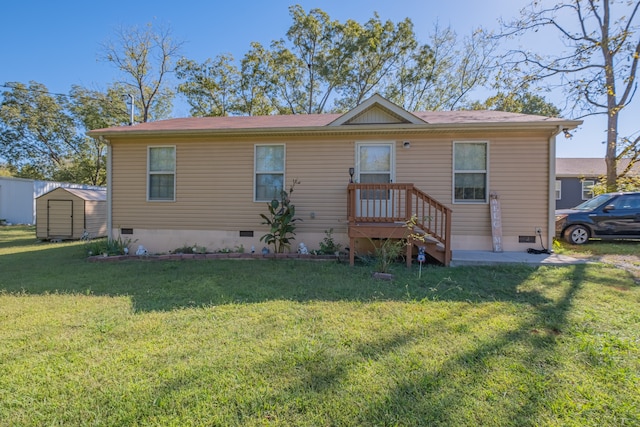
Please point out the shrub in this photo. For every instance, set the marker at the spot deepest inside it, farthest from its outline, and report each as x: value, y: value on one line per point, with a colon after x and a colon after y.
x: 281, y: 221
x: 328, y: 246
x: 107, y: 246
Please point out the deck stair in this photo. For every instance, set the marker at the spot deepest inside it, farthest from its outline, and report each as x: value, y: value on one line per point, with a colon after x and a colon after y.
x: 381, y: 211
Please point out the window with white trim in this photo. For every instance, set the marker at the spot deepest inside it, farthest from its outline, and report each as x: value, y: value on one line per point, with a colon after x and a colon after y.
x: 269, y: 164
x: 161, y: 169
x: 470, y: 172
x: 587, y: 189
x: 558, y: 189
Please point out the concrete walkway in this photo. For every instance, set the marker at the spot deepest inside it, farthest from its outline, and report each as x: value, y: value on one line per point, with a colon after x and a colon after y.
x: 462, y: 257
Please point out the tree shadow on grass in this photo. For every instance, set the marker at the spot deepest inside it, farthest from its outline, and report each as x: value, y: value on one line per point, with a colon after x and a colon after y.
x: 464, y: 389
x: 475, y: 396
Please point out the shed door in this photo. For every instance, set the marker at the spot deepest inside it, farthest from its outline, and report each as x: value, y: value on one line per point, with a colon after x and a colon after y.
x: 59, y: 218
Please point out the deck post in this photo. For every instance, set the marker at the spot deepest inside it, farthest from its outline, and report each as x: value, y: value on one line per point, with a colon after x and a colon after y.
x: 352, y: 252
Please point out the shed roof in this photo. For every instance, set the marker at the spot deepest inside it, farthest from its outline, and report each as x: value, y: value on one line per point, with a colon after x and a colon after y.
x: 89, y: 195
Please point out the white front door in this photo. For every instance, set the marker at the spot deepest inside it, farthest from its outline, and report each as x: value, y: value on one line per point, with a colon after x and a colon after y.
x: 375, y: 164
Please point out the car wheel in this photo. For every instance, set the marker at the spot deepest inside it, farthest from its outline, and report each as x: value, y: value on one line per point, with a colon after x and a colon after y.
x: 577, y: 235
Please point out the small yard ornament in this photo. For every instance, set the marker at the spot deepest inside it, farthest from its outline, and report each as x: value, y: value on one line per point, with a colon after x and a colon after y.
x: 141, y: 250
x: 302, y: 249
x: 421, y: 258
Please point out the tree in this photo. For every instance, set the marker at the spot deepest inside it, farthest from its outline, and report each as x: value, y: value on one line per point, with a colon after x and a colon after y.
x: 211, y: 87
x: 42, y: 135
x: 325, y: 65
x: 525, y: 103
x: 37, y: 133
x: 442, y: 74
x: 375, y: 51
x: 146, y: 57
x: 254, y: 87
x: 312, y: 37
x: 93, y: 109
x: 321, y: 65
x: 597, y: 68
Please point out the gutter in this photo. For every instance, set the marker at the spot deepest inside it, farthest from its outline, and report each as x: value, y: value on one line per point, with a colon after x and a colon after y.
x: 551, y: 224
x: 377, y: 129
x: 109, y: 186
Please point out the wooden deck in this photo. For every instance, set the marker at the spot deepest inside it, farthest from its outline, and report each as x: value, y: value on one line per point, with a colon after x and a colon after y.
x: 381, y: 211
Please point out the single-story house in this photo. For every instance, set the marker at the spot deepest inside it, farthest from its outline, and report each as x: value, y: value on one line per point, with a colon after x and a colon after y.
x: 205, y: 181
x: 575, y: 178
x: 18, y: 197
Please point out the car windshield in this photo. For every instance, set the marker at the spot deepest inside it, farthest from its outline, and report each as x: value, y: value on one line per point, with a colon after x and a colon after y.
x: 594, y: 203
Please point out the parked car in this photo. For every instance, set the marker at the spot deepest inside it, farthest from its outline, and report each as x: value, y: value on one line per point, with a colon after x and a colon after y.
x: 607, y: 216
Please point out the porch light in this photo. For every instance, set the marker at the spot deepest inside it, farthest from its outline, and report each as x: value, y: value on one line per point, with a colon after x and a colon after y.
x: 351, y: 172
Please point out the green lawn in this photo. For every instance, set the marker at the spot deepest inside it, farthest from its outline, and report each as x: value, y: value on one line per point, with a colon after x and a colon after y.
x: 599, y: 247
x: 302, y: 343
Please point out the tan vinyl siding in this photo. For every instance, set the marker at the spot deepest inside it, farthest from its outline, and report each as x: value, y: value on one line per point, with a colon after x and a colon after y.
x: 95, y: 218
x: 322, y: 167
x: 214, y: 186
x: 375, y: 115
x: 427, y: 164
x: 215, y: 182
x: 519, y: 172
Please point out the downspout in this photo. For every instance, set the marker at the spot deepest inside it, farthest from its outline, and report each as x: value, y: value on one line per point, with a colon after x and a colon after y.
x: 551, y: 225
x: 109, y: 182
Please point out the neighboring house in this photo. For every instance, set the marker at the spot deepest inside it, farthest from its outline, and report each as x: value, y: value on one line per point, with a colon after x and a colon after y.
x: 205, y: 181
x: 18, y: 197
x: 576, y: 176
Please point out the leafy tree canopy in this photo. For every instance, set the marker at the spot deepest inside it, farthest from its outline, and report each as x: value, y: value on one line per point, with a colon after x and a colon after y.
x: 324, y: 65
x: 525, y: 103
x: 42, y: 135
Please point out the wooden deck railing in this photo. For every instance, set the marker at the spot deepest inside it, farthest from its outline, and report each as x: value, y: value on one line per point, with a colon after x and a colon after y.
x: 393, y: 203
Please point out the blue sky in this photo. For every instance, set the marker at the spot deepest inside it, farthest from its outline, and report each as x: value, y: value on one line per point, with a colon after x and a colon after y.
x: 57, y: 43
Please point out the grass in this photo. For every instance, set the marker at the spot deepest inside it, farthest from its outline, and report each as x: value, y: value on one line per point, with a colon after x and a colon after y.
x: 599, y: 247
x: 249, y: 343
